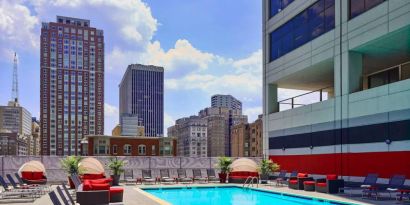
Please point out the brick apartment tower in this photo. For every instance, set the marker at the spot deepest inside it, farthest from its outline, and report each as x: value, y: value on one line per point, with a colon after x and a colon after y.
x: 72, y: 84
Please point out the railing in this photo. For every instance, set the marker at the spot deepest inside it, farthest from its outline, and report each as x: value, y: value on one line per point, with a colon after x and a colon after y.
x: 323, y: 95
x: 250, y: 181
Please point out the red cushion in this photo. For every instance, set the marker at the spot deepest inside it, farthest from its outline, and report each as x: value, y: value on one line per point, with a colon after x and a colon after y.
x: 301, y: 175
x: 100, y: 181
x: 293, y: 181
x: 87, y: 185
x: 27, y: 175
x: 331, y: 177
x: 321, y: 184
x: 93, y: 176
x: 37, y: 175
x: 309, y: 182
x: 243, y: 174
x: 114, y: 190
x: 100, y: 186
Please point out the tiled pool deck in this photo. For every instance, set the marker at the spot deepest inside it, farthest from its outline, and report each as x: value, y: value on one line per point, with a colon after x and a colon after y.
x: 133, y: 195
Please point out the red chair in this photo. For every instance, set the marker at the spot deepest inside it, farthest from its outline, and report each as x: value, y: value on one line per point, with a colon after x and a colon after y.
x: 297, y: 182
x: 330, y: 184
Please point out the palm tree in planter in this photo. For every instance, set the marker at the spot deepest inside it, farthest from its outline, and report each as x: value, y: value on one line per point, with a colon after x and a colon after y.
x: 266, y: 167
x: 224, y: 164
x: 70, y: 166
x: 117, y: 167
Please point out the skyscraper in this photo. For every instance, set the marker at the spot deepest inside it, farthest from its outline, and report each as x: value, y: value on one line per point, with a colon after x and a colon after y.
x: 72, y: 84
x: 142, y: 95
x: 226, y: 101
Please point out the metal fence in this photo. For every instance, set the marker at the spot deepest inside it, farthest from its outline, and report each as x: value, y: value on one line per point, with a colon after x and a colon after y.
x: 11, y: 164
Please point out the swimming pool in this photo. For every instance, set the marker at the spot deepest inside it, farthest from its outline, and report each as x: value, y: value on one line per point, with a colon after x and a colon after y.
x: 230, y: 196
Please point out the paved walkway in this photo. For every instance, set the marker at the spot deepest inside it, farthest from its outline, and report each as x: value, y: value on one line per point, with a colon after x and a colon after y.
x: 134, y: 196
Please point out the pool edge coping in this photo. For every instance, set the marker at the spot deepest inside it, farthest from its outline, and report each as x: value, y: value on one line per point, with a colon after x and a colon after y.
x: 164, y: 202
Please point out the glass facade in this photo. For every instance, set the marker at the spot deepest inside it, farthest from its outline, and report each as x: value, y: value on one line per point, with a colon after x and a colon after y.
x: 275, y: 6
x: 358, y: 7
x: 307, y: 25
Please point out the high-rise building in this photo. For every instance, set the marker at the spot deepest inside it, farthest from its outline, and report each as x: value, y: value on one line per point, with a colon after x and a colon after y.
x: 191, y: 134
x: 72, y: 84
x: 219, y: 123
x: 246, y: 139
x: 142, y: 96
x: 226, y: 101
x: 353, y: 58
x: 34, y: 142
x: 15, y: 119
x: 131, y: 125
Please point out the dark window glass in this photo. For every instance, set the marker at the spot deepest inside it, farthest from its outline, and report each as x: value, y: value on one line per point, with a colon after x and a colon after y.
x: 309, y: 24
x: 358, y: 7
x: 275, y: 6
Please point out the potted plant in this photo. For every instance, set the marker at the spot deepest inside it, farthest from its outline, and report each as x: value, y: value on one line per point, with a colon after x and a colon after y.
x: 117, y: 167
x: 224, y: 164
x: 266, y: 167
x: 70, y: 166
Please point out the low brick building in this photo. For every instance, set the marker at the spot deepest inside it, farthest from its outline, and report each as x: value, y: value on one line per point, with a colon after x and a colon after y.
x: 103, y: 145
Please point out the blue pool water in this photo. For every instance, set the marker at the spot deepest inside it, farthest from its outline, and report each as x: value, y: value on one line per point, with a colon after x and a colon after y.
x: 229, y: 196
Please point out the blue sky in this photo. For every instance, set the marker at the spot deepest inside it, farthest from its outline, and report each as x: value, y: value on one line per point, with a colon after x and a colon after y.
x: 206, y: 47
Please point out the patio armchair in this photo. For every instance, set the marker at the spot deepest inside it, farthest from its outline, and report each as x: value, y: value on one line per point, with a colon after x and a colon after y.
x: 182, y: 177
x: 297, y: 182
x: 147, y: 177
x: 331, y: 184
x: 165, y: 177
x: 212, y: 175
x: 197, y: 176
x: 395, y: 183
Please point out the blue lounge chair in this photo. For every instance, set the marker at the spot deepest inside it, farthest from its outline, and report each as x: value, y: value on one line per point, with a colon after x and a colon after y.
x: 395, y: 183
x: 369, y: 181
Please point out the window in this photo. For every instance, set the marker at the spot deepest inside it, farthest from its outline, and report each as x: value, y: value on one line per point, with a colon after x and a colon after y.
x: 114, y: 149
x: 358, y: 7
x: 127, y: 149
x: 153, y: 151
x: 307, y: 25
x: 141, y: 149
x: 275, y: 6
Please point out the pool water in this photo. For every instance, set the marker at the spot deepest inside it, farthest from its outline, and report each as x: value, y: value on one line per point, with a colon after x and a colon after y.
x: 230, y: 196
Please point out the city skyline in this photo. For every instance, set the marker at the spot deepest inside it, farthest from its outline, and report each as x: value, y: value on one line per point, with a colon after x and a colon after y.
x: 196, y: 66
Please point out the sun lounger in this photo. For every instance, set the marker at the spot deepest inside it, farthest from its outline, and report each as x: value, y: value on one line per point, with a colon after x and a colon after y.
x: 281, y: 178
x: 182, y: 177
x: 212, y: 175
x: 369, y: 180
x: 70, y: 197
x: 62, y: 196
x: 54, y: 198
x: 129, y: 177
x: 197, y: 176
x: 165, y: 177
x: 395, y: 183
x: 147, y: 177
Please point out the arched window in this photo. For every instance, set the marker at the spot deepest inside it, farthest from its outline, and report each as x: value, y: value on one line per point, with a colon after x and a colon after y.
x: 127, y: 149
x: 141, y: 149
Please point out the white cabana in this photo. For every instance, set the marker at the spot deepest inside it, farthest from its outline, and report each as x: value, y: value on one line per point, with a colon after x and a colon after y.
x: 91, y: 165
x: 32, y: 166
x: 244, y: 165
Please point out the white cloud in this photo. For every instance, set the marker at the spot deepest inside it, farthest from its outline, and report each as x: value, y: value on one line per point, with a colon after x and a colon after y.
x: 252, y: 113
x: 110, y: 110
x: 17, y: 26
x: 168, y: 122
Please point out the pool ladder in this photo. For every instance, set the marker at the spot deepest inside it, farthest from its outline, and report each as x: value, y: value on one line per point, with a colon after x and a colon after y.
x: 250, y: 182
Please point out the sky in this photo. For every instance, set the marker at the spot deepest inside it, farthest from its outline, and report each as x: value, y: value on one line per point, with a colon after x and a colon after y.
x: 206, y: 47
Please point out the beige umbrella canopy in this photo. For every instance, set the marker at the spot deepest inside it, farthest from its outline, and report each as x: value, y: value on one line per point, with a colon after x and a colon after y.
x: 244, y: 165
x: 32, y: 166
x: 91, y: 165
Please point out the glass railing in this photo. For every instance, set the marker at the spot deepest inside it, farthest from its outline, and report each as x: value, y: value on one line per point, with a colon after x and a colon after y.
x: 306, y: 98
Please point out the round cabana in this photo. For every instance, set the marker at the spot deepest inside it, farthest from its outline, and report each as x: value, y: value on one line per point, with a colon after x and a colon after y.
x: 33, y: 172
x: 241, y: 169
x: 91, y: 168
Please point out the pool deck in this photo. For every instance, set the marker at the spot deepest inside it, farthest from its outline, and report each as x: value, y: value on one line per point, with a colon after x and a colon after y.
x: 133, y: 195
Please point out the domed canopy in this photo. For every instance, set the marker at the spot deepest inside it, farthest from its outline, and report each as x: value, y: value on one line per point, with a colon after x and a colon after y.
x: 244, y: 165
x: 32, y: 166
x: 91, y: 165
